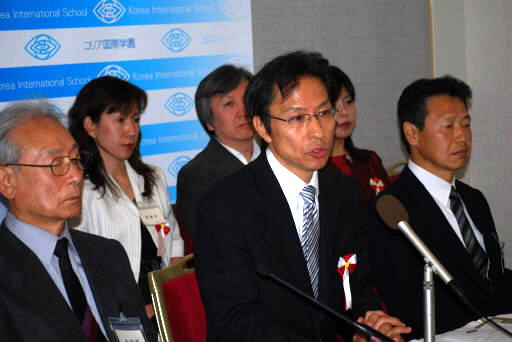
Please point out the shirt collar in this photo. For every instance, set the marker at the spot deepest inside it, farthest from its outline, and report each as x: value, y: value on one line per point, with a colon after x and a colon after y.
x: 436, y: 186
x: 40, y: 241
x: 136, y: 180
x: 255, y: 151
x: 290, y: 183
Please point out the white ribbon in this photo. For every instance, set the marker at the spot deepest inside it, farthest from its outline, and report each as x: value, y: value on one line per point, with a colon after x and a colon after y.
x: 378, y: 185
x: 346, y: 278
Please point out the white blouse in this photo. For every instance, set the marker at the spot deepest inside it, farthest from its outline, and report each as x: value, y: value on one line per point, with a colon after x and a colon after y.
x: 118, y: 218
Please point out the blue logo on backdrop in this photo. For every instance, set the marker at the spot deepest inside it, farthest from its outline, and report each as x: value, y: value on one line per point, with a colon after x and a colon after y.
x: 42, y: 47
x: 179, y: 104
x: 177, y: 164
x: 116, y: 71
x: 231, y: 8
x: 176, y: 40
x: 109, y: 11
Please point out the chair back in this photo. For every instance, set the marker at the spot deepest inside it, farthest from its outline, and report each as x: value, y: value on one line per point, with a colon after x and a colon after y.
x: 178, y: 307
x: 394, y: 170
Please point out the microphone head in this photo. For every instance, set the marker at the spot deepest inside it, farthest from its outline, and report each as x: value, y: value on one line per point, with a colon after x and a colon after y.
x: 391, y: 210
x: 262, y: 270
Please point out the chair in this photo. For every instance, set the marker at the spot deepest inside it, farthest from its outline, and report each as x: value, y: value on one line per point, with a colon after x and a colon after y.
x: 394, y: 170
x: 178, y: 307
x: 187, y: 239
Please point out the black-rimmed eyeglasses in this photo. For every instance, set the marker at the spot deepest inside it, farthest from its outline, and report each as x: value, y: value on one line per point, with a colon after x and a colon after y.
x: 60, y: 166
x: 300, y: 120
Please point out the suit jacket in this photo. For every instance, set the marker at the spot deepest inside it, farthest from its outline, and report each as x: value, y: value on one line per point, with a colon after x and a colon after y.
x: 117, y: 217
x: 33, y: 309
x: 245, y: 221
x: 206, y: 169
x: 398, y: 268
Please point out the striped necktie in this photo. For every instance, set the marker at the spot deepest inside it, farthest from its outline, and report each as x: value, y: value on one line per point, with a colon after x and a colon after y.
x: 473, y: 247
x: 310, y: 234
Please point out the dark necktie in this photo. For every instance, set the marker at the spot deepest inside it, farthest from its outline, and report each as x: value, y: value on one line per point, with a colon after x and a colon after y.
x: 310, y: 233
x: 473, y: 247
x: 73, y: 288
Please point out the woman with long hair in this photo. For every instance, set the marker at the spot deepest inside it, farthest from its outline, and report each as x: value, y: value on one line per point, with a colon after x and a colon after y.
x: 123, y: 197
x: 365, y: 166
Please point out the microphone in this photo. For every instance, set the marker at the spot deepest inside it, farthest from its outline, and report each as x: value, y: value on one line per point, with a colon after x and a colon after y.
x: 367, y: 331
x: 395, y: 216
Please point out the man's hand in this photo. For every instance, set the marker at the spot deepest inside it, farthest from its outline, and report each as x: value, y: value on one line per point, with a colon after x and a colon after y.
x: 175, y: 259
x: 388, y: 325
x: 150, y: 312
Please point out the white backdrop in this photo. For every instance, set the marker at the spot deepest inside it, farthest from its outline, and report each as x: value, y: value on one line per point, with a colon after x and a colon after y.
x: 50, y: 49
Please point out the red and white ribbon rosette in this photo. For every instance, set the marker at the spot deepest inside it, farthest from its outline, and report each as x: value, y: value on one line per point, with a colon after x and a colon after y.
x: 347, y: 265
x: 376, y: 184
x: 162, y: 230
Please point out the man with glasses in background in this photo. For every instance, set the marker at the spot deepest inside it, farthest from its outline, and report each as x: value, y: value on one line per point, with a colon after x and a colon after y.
x: 57, y: 284
x: 287, y: 213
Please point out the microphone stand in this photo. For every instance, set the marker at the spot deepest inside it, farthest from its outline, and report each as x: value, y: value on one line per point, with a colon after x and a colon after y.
x: 429, y: 314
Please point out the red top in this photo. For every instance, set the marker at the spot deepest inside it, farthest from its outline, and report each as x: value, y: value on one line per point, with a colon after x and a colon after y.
x: 366, y: 167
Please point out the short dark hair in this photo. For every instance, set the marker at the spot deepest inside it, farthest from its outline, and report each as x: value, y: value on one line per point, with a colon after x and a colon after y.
x: 220, y: 81
x: 108, y: 95
x: 284, y: 73
x: 412, y: 104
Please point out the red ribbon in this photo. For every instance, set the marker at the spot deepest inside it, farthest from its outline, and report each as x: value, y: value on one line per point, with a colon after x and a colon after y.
x: 158, y: 227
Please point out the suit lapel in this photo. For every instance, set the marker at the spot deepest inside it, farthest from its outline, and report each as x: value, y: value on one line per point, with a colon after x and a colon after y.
x: 99, y: 279
x: 39, y: 289
x: 279, y: 229
x: 481, y: 217
x: 441, y: 239
x: 222, y: 158
x: 329, y: 206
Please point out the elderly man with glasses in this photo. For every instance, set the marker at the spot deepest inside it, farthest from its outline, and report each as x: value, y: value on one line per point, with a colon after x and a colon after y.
x: 57, y: 284
x: 288, y: 213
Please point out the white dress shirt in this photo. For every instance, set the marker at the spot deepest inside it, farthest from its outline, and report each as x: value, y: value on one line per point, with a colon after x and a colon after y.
x: 291, y: 185
x: 117, y: 217
x: 440, y: 189
x: 255, y: 152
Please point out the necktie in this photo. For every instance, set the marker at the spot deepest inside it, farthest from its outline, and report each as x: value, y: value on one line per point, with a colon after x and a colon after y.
x: 310, y: 234
x: 473, y: 247
x: 73, y: 288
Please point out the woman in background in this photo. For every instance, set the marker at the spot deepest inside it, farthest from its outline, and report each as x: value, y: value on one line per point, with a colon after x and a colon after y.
x: 123, y: 198
x: 363, y: 165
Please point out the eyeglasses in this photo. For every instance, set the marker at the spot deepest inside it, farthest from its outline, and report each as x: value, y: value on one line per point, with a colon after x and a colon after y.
x: 60, y: 166
x: 300, y: 120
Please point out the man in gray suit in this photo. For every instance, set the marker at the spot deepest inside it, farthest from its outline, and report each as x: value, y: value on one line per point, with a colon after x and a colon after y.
x: 57, y: 284
x: 221, y: 111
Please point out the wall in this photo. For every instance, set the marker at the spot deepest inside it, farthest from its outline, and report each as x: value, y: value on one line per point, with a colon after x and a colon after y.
x: 482, y: 55
x: 381, y: 44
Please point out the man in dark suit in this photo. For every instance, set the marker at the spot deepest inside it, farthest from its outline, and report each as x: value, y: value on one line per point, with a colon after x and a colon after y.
x: 433, y: 115
x: 57, y: 284
x: 267, y: 214
x: 221, y: 111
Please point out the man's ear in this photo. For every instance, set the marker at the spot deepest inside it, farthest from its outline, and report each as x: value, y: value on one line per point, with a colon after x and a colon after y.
x: 261, y: 129
x: 210, y: 127
x: 411, y: 133
x: 89, y: 126
x: 7, y: 182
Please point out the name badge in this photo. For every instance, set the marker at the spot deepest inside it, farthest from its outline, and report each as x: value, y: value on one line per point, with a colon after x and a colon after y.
x: 127, y: 329
x: 151, y: 215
